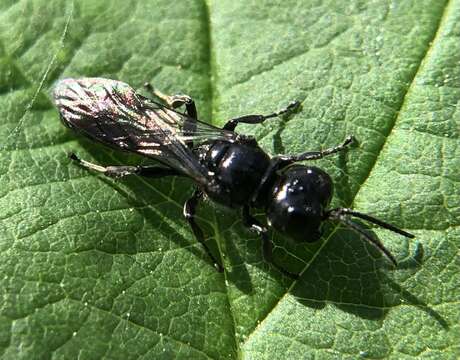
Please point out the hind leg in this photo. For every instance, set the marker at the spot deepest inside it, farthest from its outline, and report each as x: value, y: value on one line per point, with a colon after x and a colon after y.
x: 175, y: 101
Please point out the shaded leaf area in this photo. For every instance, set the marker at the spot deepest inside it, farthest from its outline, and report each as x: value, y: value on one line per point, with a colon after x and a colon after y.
x: 93, y: 267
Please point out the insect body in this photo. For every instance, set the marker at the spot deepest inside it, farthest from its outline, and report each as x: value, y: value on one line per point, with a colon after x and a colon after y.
x: 228, y: 167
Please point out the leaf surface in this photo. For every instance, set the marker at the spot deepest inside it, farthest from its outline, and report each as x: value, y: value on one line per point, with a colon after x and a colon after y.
x: 91, y: 267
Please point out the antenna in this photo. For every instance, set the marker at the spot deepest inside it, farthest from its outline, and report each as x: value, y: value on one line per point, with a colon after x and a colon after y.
x: 343, y: 215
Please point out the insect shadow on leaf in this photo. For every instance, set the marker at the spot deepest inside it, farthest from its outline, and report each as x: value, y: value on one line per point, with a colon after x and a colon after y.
x: 348, y: 274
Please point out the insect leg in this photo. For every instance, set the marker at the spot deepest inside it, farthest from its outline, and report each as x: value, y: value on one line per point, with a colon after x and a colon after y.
x: 189, y: 213
x: 267, y: 247
x: 120, y: 171
x: 315, y: 155
x: 175, y: 101
x: 256, y: 119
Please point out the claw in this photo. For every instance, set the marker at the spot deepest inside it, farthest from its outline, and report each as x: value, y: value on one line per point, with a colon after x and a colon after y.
x: 73, y: 156
x: 350, y: 139
x: 294, y: 105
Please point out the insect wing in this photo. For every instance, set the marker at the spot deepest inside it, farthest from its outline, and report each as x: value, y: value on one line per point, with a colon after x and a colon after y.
x: 111, y: 112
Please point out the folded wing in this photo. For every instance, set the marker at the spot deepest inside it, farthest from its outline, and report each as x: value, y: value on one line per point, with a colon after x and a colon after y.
x: 111, y: 112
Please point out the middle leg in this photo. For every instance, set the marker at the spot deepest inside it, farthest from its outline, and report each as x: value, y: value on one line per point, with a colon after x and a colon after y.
x: 257, y: 119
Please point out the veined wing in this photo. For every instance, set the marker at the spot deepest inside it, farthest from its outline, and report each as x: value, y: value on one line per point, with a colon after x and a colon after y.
x: 111, y: 112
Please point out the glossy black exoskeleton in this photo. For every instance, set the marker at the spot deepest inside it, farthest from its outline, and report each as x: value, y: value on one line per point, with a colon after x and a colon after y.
x: 238, y: 168
x: 228, y: 167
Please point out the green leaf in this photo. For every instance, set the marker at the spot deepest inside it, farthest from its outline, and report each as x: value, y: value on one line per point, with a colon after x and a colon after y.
x: 96, y: 268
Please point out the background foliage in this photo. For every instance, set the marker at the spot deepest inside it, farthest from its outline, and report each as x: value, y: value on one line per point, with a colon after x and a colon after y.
x: 92, y: 267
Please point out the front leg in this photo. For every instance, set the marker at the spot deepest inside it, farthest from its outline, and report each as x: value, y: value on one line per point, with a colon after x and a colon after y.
x: 267, y: 247
x: 189, y: 213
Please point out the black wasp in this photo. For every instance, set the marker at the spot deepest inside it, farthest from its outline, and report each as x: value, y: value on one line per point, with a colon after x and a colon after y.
x: 227, y: 167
